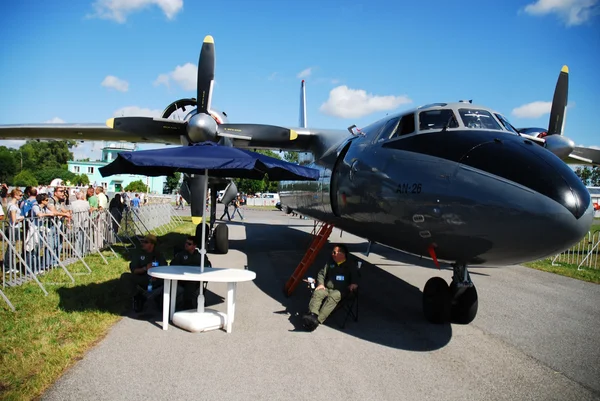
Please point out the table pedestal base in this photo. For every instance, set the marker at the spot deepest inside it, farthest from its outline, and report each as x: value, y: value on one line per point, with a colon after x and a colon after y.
x: 192, y: 320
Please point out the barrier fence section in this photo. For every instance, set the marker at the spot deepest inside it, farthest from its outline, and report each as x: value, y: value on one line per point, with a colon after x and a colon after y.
x: 584, y: 254
x: 36, y: 245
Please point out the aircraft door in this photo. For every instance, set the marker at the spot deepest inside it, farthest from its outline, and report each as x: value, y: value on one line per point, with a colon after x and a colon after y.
x: 341, y: 185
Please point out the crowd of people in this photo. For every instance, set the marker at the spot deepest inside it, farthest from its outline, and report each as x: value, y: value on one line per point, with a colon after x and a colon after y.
x: 36, y: 221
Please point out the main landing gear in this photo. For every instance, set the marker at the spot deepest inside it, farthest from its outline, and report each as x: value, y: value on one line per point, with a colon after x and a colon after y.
x: 455, y: 303
x: 217, y: 235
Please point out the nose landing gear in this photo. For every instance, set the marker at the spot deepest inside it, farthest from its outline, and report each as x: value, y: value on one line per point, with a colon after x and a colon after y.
x: 456, y: 303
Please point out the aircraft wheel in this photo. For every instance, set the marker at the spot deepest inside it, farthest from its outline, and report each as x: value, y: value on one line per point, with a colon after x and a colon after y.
x: 199, y: 234
x: 436, y: 300
x: 464, y: 307
x: 221, y: 237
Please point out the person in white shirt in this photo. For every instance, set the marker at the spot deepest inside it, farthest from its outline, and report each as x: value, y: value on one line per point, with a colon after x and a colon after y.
x: 80, y: 209
x: 102, y: 198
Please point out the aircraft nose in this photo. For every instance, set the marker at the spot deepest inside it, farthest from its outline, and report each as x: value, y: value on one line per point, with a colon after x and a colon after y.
x: 534, y: 167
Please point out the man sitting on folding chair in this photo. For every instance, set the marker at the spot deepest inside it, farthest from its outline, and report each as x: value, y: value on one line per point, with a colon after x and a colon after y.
x: 337, y: 279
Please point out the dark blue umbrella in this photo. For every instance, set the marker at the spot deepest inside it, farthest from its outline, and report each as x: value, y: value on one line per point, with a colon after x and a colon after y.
x: 220, y: 161
x: 211, y: 159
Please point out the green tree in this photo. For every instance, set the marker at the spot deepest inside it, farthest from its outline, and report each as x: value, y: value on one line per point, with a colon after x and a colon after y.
x: 250, y: 186
x: 136, y: 186
x: 595, y: 177
x: 173, y: 182
x: 46, y: 175
x: 584, y: 174
x: 291, y: 157
x: 51, y: 154
x: 7, y: 165
x: 82, y: 179
x: 25, y: 178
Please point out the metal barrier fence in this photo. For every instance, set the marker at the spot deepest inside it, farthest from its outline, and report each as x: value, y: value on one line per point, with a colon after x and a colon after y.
x: 36, y: 245
x: 584, y: 254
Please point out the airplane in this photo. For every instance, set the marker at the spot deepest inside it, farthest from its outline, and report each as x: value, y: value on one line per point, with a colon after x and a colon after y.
x: 452, y: 182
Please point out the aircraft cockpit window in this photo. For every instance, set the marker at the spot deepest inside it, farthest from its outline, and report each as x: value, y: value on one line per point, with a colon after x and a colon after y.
x: 388, y: 129
x: 478, y: 119
x: 374, y: 129
x: 406, y: 126
x: 437, y: 119
x: 505, y: 123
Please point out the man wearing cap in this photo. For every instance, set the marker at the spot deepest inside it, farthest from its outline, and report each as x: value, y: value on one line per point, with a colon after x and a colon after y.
x: 190, y: 256
x: 136, y: 282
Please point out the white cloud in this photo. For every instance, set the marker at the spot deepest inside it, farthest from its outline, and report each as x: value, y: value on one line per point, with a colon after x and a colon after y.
x: 532, y: 110
x: 305, y: 73
x: 355, y: 103
x: 130, y: 111
x: 117, y: 10
x: 186, y: 76
x: 113, y: 82
x: 55, y: 120
x: 572, y: 12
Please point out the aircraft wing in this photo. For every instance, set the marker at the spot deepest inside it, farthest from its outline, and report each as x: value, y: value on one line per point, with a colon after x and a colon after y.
x: 581, y: 155
x: 84, y: 132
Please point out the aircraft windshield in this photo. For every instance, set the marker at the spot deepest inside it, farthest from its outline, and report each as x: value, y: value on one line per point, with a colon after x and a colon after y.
x: 437, y: 119
x: 505, y: 123
x: 478, y: 119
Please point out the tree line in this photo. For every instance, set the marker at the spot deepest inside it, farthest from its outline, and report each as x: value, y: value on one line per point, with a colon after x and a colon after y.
x: 590, y: 176
x: 39, y: 162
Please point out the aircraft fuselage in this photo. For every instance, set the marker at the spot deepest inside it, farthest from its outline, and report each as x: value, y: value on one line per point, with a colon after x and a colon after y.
x: 476, y: 196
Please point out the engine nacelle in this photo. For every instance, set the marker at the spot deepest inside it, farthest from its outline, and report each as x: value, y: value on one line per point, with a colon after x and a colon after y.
x: 559, y: 145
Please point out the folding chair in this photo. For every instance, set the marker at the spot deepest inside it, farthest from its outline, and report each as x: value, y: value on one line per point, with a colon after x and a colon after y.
x: 348, y: 304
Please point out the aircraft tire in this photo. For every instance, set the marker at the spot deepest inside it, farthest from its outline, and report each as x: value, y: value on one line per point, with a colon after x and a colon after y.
x: 221, y: 237
x: 464, y: 307
x: 199, y: 235
x: 436, y: 300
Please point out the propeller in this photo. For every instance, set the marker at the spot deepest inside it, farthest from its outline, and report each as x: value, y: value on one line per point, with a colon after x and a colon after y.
x: 552, y: 138
x: 202, y: 125
x: 559, y: 103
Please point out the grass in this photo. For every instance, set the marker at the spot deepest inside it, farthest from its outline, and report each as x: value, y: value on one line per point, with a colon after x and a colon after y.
x: 568, y: 270
x: 48, y: 334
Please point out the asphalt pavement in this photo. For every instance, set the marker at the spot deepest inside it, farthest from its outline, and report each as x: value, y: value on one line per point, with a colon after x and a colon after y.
x: 534, y: 338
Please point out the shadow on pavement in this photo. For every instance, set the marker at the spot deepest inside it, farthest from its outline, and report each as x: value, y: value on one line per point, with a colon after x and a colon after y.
x: 390, y: 311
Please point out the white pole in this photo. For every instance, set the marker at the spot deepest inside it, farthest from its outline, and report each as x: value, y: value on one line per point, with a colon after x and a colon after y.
x: 203, y: 246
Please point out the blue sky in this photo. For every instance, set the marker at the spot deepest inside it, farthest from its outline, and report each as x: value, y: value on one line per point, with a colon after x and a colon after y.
x: 87, y: 61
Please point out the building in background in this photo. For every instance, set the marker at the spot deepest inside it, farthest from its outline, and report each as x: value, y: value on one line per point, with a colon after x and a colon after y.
x: 114, y: 183
x: 595, y: 194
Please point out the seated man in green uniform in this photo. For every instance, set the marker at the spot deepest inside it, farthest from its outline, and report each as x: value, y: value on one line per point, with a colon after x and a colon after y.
x: 336, y: 279
x: 190, y: 256
x: 137, y: 280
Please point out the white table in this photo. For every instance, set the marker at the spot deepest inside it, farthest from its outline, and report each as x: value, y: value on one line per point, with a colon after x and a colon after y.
x: 193, y: 320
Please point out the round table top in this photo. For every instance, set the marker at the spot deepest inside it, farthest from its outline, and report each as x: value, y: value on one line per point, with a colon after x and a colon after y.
x: 192, y: 273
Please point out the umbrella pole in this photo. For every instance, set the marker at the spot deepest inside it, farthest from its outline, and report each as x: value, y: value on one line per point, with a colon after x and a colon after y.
x: 203, y: 247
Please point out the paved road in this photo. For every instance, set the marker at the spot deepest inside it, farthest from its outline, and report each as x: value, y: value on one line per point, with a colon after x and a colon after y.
x: 535, y: 337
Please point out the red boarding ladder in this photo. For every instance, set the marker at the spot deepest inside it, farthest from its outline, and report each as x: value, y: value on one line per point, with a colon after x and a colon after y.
x: 317, y: 243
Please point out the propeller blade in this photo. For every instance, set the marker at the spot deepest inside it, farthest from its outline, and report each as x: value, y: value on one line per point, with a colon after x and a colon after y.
x: 257, y: 132
x: 147, y: 126
x: 184, y: 190
x: 206, y: 74
x: 198, y: 202
x: 559, y: 103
